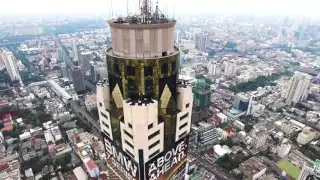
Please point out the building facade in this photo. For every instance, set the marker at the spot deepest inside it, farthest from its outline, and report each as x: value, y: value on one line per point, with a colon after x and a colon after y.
x: 78, y: 79
x: 310, y: 171
x: 86, y: 58
x: 230, y: 68
x: 144, y: 111
x: 12, y: 69
x: 297, y: 89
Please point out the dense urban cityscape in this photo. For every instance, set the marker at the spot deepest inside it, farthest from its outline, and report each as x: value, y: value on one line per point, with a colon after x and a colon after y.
x: 148, y: 96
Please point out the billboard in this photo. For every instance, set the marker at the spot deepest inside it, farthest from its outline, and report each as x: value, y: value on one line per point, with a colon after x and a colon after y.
x: 170, y: 164
x: 121, y: 160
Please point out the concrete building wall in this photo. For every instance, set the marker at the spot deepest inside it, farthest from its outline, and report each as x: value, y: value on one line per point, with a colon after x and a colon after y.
x: 185, y: 101
x: 103, y: 104
x: 142, y: 41
x: 141, y: 121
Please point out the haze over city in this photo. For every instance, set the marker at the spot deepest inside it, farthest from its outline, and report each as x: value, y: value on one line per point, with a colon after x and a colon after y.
x: 160, y: 90
x: 96, y: 7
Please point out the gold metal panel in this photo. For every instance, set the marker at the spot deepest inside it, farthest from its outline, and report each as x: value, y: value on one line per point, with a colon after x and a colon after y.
x: 165, y: 97
x: 117, y: 96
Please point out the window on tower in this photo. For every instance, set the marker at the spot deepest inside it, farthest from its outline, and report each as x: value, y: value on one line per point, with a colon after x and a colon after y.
x: 131, y: 85
x: 131, y: 70
x: 116, y: 68
x: 164, y: 68
x: 148, y: 71
x: 173, y: 66
x: 148, y: 86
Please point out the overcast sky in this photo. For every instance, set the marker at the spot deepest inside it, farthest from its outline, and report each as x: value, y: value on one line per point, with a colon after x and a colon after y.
x: 298, y: 7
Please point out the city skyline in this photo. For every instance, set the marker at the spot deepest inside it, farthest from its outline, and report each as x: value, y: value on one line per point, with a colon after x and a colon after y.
x: 175, y: 7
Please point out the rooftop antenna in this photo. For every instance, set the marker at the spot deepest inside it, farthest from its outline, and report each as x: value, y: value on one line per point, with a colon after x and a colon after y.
x: 127, y: 8
x: 111, y: 9
x: 174, y: 10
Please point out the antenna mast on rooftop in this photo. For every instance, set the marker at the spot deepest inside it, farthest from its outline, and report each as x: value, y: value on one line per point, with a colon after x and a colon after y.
x: 146, y: 9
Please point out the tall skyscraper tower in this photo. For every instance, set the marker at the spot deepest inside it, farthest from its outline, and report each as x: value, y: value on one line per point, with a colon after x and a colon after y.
x: 144, y: 110
x: 86, y: 58
x: 11, y: 66
x: 78, y: 79
x: 64, y: 70
x: 297, y: 89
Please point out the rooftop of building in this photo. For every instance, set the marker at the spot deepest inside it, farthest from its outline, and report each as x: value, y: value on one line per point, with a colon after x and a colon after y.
x: 251, y: 166
x: 176, y: 51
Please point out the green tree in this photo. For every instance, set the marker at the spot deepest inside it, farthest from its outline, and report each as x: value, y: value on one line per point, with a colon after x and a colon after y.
x: 63, y: 160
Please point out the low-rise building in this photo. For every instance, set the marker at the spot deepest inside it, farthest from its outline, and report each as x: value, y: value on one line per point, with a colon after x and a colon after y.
x: 252, y: 168
x: 284, y: 148
x: 306, y: 136
x: 223, y: 118
x: 92, y: 167
x: 238, y: 125
x: 56, y: 133
x: 91, y: 102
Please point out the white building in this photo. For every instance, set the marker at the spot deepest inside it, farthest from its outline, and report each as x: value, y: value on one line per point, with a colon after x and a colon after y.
x: 56, y: 133
x: 222, y: 117
x: 238, y: 124
x: 91, y: 102
x: 255, y: 108
x: 75, y: 50
x: 212, y: 68
x: 48, y: 137
x: 80, y: 174
x: 284, y: 148
x: 230, y: 68
x: 11, y: 66
x: 188, y: 72
x: 297, y: 88
x: 306, y: 136
x: 220, y: 151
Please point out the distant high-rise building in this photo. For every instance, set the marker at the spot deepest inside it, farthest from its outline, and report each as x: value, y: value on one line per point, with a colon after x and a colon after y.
x: 177, y: 34
x: 230, y: 68
x: 76, y: 52
x: 212, y: 68
x: 297, y: 89
x: 78, y: 80
x: 98, y: 70
x: 64, y: 70
x: 201, y: 94
x: 86, y: 58
x: 62, y: 56
x: 202, y: 41
x: 12, y: 69
x: 144, y: 111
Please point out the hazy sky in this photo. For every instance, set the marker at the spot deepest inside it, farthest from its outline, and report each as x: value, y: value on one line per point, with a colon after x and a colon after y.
x: 300, y: 7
